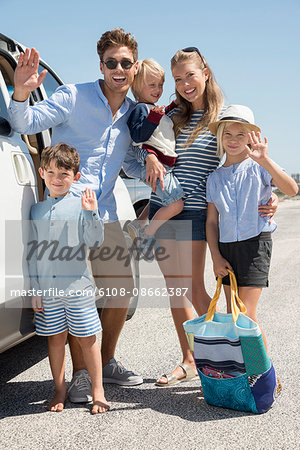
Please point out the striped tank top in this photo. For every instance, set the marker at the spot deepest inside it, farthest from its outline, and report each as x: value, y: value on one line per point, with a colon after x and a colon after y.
x: 194, y: 164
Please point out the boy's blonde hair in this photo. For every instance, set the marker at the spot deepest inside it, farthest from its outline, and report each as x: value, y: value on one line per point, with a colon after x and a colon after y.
x: 220, y: 131
x: 212, y: 97
x: 146, y: 66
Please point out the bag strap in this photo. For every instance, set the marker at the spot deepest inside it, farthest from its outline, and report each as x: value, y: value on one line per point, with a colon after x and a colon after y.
x: 237, y: 305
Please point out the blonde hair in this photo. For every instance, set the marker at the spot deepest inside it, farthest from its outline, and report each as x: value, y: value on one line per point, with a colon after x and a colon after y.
x: 117, y: 38
x: 212, y: 99
x: 220, y: 131
x: 145, y: 66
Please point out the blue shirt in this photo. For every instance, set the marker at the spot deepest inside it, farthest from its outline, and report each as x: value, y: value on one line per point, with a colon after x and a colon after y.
x: 60, y: 232
x: 81, y: 116
x: 236, y: 192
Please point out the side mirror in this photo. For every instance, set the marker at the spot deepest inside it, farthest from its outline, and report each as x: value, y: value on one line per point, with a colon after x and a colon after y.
x: 5, y: 128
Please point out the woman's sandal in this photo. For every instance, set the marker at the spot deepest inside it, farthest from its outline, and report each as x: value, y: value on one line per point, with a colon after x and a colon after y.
x: 171, y: 378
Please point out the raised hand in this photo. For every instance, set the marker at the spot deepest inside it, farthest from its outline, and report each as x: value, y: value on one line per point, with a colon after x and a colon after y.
x: 258, y: 150
x: 26, y: 78
x: 89, y: 200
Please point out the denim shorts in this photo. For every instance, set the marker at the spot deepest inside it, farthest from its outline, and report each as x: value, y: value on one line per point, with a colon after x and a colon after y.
x: 173, y: 190
x: 250, y: 260
x: 189, y: 225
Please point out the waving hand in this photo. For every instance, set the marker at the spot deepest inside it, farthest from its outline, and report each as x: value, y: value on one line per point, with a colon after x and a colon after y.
x: 259, y: 149
x: 89, y: 200
x: 26, y: 77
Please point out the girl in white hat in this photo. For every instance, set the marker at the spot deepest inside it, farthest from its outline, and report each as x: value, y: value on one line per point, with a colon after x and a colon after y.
x: 239, y: 238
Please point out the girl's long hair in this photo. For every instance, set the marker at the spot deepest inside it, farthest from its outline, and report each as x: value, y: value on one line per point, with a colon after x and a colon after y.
x: 212, y: 99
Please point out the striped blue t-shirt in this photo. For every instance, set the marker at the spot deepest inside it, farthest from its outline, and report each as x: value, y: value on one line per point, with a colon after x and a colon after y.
x: 194, y: 164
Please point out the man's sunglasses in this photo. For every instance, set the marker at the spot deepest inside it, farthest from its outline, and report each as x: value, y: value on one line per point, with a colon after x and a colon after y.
x: 194, y: 49
x: 112, y: 64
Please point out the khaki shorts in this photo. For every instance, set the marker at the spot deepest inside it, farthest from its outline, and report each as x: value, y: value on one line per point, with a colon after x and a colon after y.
x: 110, y: 264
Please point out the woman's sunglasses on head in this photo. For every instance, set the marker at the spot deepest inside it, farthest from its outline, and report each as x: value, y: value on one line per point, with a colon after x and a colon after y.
x: 194, y: 49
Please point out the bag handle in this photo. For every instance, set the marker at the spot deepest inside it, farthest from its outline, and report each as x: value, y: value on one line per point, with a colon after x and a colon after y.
x: 237, y: 305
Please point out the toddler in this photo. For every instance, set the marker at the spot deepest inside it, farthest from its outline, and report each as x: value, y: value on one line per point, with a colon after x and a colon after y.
x: 152, y: 130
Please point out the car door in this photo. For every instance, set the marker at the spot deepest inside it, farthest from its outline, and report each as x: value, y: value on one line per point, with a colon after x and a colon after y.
x: 21, y: 187
x: 18, y: 191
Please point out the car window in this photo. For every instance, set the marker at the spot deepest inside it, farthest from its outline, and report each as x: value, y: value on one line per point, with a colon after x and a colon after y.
x: 7, y: 73
x: 50, y: 83
x: 3, y: 108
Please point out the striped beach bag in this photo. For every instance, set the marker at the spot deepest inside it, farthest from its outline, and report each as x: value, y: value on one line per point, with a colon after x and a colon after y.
x: 231, y: 358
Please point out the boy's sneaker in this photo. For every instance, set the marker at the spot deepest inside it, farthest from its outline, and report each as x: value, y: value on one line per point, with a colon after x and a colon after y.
x: 133, y: 228
x: 80, y: 387
x: 145, y: 244
x: 114, y: 372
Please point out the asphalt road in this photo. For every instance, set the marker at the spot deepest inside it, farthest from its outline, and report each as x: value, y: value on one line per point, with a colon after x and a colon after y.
x: 148, y: 417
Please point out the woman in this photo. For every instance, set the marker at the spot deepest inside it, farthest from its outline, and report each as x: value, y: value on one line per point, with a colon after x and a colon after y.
x: 200, y: 101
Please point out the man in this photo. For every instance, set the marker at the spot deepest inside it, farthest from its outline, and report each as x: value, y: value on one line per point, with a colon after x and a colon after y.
x: 92, y: 117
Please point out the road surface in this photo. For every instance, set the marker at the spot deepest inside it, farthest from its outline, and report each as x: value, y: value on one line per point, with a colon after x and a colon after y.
x: 148, y: 417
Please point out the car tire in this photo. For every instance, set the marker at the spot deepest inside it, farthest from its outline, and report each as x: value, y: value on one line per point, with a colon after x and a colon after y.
x: 139, y: 206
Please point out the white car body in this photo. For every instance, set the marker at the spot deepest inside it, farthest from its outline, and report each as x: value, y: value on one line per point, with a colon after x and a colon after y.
x: 139, y: 192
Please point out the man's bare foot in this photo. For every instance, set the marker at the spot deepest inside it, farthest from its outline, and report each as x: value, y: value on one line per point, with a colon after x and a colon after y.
x: 57, y: 404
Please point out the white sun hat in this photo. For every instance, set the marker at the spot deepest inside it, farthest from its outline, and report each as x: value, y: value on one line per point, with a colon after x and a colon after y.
x: 238, y: 114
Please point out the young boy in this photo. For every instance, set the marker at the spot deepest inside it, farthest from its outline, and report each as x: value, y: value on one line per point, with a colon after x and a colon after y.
x: 62, y: 227
x: 152, y: 130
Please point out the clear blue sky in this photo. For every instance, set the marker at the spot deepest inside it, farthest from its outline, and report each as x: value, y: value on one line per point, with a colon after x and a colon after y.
x: 252, y: 47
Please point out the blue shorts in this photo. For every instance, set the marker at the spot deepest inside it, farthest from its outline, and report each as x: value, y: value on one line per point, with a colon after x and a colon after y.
x: 189, y: 225
x: 76, y: 314
x: 172, y: 191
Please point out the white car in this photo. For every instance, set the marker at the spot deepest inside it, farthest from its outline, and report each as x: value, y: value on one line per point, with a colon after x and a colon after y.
x: 20, y: 188
x: 139, y: 192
